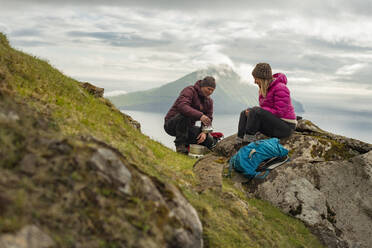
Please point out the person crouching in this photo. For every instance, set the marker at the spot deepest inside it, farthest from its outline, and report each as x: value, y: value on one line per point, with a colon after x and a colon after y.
x: 193, y: 104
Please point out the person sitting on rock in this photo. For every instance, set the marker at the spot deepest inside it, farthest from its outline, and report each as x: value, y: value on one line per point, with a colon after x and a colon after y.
x: 193, y: 104
x: 275, y: 117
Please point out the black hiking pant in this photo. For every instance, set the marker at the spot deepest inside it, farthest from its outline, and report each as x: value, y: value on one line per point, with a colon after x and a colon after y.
x: 263, y: 121
x: 180, y: 126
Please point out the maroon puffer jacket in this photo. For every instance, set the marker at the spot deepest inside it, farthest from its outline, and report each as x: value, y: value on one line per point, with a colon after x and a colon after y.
x: 192, y: 103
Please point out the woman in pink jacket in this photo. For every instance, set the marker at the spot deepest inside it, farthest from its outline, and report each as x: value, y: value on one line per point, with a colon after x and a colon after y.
x: 275, y: 117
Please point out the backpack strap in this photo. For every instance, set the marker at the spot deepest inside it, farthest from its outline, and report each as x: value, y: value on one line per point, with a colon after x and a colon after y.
x: 231, y: 167
x: 272, y: 163
x: 263, y: 176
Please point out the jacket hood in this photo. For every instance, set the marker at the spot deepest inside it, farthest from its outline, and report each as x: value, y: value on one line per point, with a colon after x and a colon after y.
x: 278, y: 78
x: 198, y: 88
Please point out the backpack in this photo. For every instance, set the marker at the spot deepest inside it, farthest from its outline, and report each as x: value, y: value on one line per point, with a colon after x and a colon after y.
x: 256, y: 157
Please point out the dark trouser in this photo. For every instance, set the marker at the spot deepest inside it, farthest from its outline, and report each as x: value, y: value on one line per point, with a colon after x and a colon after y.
x: 180, y: 126
x: 263, y: 121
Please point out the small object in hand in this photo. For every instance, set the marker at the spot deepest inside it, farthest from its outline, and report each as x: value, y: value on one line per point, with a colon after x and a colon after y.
x: 207, y: 129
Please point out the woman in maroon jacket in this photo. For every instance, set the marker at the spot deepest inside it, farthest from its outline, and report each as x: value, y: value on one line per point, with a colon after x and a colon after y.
x: 192, y: 104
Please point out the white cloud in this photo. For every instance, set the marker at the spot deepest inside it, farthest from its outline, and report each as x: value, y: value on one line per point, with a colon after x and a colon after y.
x: 350, y: 69
x: 210, y: 54
x: 314, y: 47
x: 114, y: 93
x: 245, y: 72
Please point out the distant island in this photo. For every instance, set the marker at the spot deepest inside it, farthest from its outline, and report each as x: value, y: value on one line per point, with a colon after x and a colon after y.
x: 230, y: 96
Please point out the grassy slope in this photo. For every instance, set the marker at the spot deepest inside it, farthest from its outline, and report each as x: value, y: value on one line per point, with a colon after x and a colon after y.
x: 229, y: 218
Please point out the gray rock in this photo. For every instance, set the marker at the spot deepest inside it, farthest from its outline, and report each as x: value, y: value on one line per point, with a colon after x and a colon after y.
x: 189, y: 232
x: 111, y: 165
x: 332, y: 196
x: 226, y: 146
x: 8, y: 117
x: 303, y: 197
x: 181, y: 226
x: 28, y: 237
x: 327, y: 184
x: 307, y: 127
x: 149, y: 190
x: 209, y: 170
x: 190, y: 235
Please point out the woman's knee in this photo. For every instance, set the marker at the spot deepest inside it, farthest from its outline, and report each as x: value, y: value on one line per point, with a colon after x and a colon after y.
x: 255, y: 109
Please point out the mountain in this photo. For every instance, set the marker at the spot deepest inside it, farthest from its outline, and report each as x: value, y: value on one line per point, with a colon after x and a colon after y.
x: 230, y: 97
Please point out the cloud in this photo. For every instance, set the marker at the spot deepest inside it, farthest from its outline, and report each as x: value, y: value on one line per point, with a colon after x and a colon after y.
x: 148, y: 43
x: 114, y: 93
x: 315, y: 7
x: 119, y: 39
x: 210, y: 54
x: 350, y: 69
x: 26, y: 32
x: 31, y: 43
x: 355, y: 74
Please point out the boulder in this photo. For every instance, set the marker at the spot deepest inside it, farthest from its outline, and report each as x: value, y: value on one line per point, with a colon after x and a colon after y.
x: 209, y: 170
x: 93, y: 90
x: 178, y: 219
x: 189, y: 231
x: 327, y: 184
x: 28, y: 237
x: 334, y: 196
x: 111, y: 165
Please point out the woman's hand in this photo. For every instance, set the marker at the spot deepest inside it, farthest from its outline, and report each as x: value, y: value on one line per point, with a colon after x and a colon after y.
x: 201, y: 137
x: 205, y: 120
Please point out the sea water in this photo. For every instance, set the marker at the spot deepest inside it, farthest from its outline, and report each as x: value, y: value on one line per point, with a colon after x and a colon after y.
x: 357, y: 127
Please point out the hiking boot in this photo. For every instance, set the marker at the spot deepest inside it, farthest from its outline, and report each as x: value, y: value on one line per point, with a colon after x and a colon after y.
x: 238, y: 140
x: 182, y: 148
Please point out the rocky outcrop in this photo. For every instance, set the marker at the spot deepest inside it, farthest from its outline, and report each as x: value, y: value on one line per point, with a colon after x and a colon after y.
x: 94, y: 90
x: 334, y: 196
x: 135, y: 124
x: 82, y: 191
x: 181, y: 224
x: 209, y: 169
x: 28, y: 237
x: 327, y: 184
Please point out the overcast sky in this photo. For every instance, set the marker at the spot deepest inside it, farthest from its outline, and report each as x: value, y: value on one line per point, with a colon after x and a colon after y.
x: 324, y: 47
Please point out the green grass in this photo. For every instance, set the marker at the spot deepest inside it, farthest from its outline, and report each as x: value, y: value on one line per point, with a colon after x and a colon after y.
x: 229, y: 218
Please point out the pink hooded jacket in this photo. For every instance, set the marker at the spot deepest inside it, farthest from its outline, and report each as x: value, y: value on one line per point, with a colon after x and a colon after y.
x: 278, y: 98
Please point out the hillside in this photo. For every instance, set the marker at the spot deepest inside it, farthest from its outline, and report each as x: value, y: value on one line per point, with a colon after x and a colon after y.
x: 75, y: 172
x: 231, y: 94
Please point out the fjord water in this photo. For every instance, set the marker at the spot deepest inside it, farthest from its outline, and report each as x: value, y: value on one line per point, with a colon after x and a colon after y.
x: 357, y: 127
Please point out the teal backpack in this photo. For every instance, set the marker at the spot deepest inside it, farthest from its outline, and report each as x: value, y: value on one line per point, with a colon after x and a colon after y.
x: 258, y: 157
